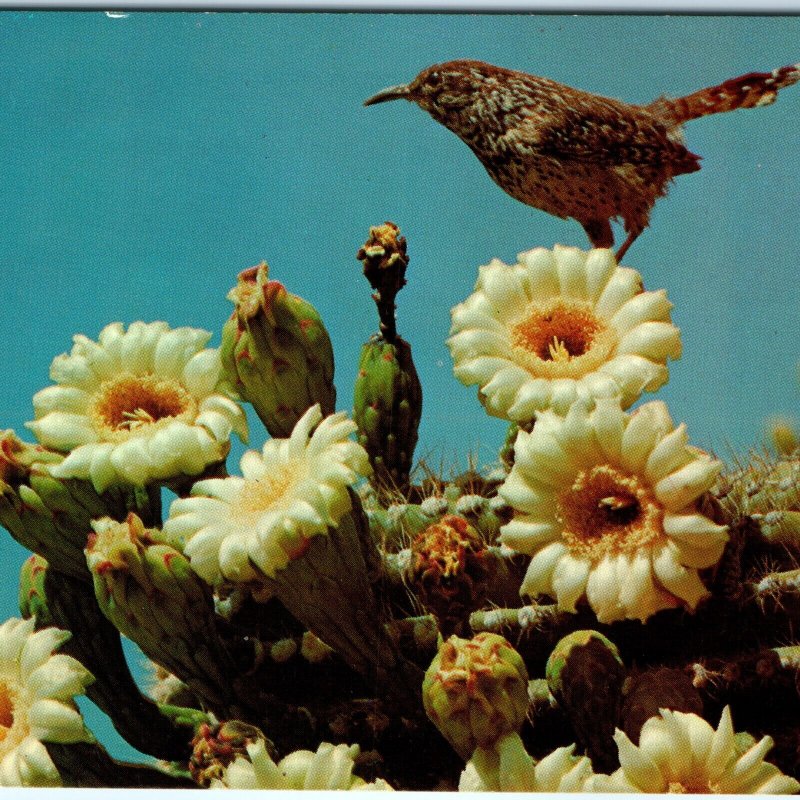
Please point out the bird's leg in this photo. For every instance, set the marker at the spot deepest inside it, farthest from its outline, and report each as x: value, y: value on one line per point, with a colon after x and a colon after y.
x: 599, y: 232
x: 626, y: 244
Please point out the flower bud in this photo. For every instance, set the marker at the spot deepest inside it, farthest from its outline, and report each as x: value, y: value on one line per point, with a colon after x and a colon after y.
x: 276, y: 352
x: 151, y: 594
x: 585, y: 675
x: 476, y: 691
x: 32, y: 596
x: 384, y: 258
x: 50, y: 516
x: 784, y: 435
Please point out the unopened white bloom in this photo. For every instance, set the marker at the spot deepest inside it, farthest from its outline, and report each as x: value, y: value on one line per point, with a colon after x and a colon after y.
x: 330, y: 768
x: 292, y: 490
x: 560, y: 324
x: 137, y: 406
x: 606, y: 505
x: 681, y: 752
x: 37, y: 687
x: 507, y: 767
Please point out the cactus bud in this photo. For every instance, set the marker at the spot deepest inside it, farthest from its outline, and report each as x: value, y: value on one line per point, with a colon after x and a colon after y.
x: 50, y: 516
x: 32, y: 595
x: 784, y: 435
x: 276, y: 352
x: 387, y: 407
x: 385, y: 260
x: 151, y: 594
x: 585, y: 675
x: 476, y: 691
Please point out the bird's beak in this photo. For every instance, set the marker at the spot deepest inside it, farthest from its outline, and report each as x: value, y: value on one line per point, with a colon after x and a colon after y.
x: 392, y: 93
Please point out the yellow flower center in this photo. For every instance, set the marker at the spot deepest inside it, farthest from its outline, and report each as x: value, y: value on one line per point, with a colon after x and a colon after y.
x: 6, y: 711
x: 562, y: 339
x: 264, y: 494
x: 684, y: 787
x: 128, y: 404
x: 607, y: 512
x: 274, y: 492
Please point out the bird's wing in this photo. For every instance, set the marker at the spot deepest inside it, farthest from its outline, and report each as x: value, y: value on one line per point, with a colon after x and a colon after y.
x: 596, y: 130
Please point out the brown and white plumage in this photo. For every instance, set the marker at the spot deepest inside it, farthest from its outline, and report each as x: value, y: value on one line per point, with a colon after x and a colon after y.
x: 571, y: 153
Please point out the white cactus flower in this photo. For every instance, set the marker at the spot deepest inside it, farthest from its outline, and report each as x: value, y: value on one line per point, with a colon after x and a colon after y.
x: 558, y: 325
x: 606, y: 505
x: 137, y: 406
x: 37, y: 686
x: 330, y: 768
x: 233, y: 528
x: 681, y: 752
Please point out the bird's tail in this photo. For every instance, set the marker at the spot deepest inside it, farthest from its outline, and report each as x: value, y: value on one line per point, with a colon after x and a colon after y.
x: 746, y: 91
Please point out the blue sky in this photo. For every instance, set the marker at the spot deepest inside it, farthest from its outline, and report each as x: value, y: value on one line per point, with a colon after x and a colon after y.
x: 148, y: 159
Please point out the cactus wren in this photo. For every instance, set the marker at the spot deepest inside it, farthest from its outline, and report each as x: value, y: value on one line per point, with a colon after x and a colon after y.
x: 571, y: 153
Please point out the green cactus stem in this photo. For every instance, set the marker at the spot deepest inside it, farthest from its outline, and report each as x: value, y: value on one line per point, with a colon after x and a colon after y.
x: 768, y: 670
x: 419, y: 635
x: 762, y: 485
x: 88, y: 766
x: 516, y: 619
x: 780, y: 527
x: 399, y: 523
x: 387, y: 408
x: 276, y: 352
x: 52, y: 516
x: 49, y: 516
x: 95, y: 642
x: 328, y: 589
x: 777, y: 583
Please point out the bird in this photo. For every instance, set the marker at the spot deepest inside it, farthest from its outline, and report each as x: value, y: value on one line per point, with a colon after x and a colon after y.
x: 571, y: 153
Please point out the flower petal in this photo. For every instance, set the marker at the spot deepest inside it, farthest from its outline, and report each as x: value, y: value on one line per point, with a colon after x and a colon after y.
x: 502, y: 286
x: 541, y: 272
x: 53, y: 721
x: 686, y: 484
x: 656, y: 341
x: 63, y: 430
x: 638, y: 767
x: 571, y: 263
x: 528, y: 537
x: 643, y: 307
x: 623, y: 284
x: 202, y: 372
x: 570, y: 577
x: 602, y: 591
x: 539, y: 576
x: 683, y: 582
